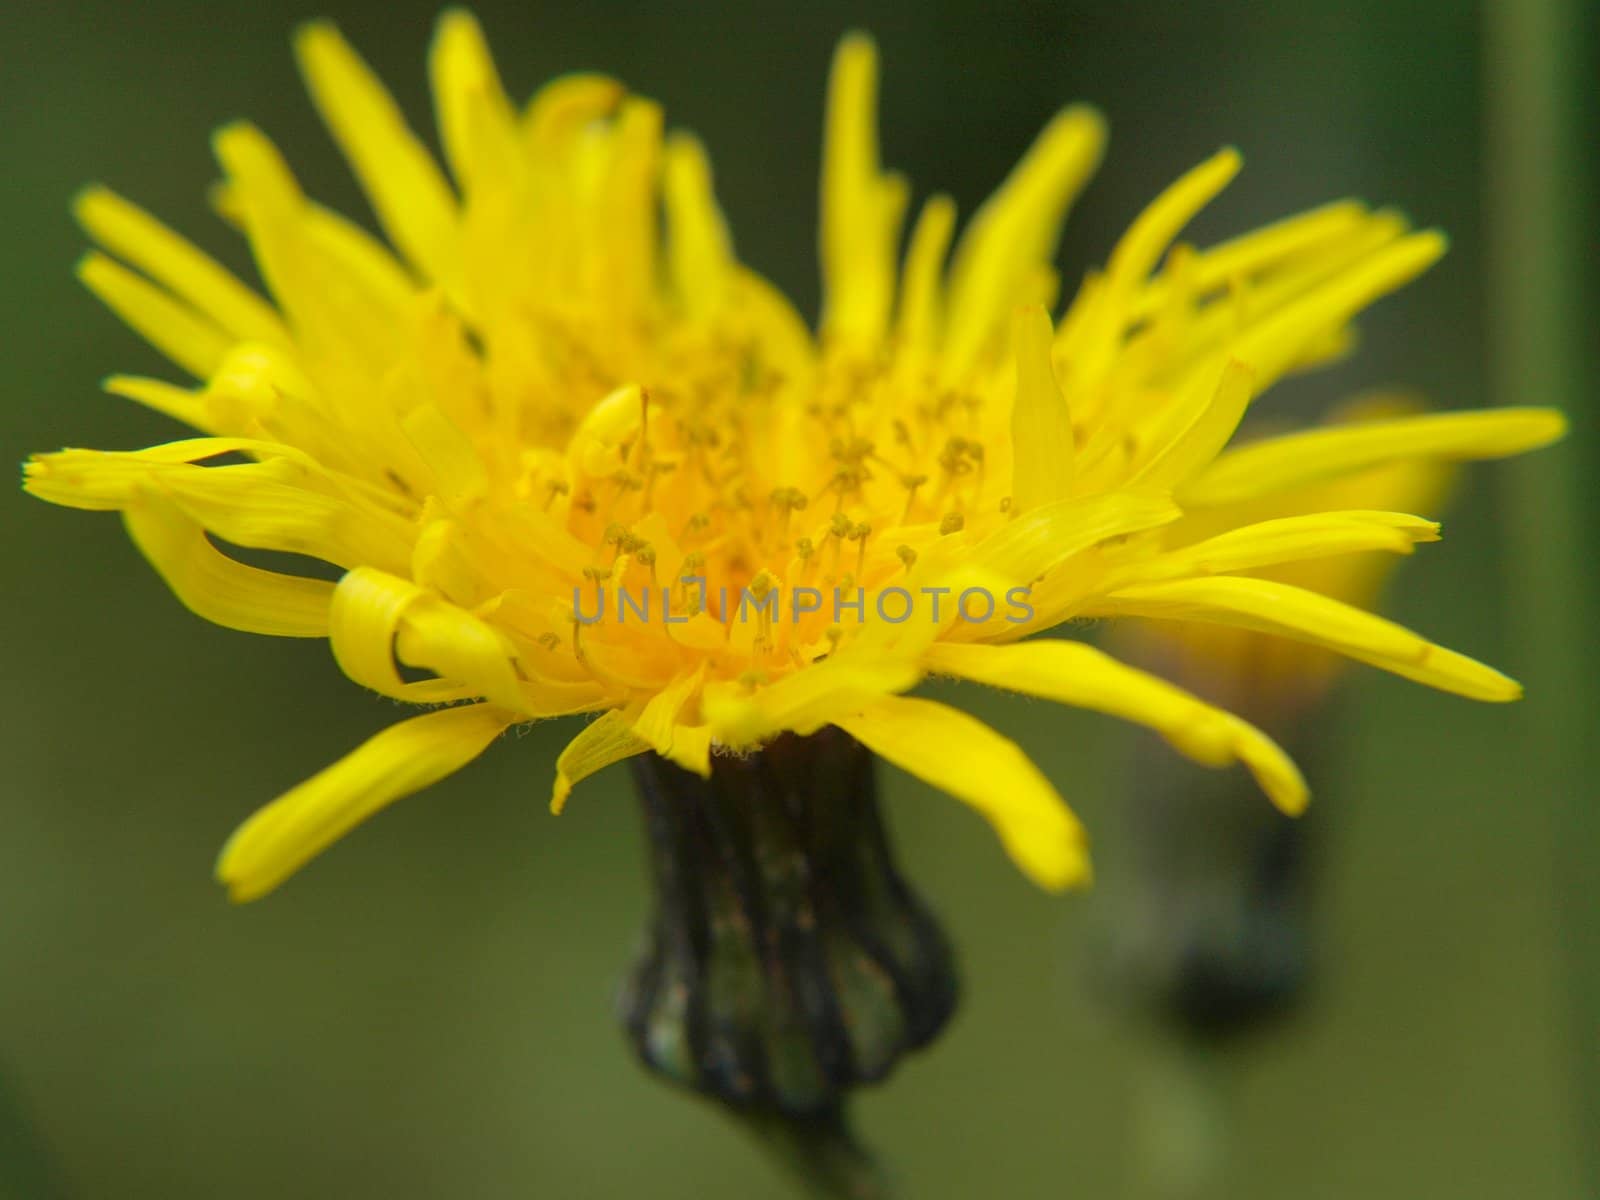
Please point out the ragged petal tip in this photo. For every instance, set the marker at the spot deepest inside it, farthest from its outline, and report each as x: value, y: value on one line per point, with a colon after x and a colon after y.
x: 314, y: 36
x: 89, y: 199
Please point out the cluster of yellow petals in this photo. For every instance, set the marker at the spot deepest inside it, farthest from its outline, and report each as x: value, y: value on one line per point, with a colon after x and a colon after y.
x: 556, y: 382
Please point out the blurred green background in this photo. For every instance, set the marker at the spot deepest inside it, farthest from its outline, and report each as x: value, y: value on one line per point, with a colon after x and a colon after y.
x: 426, y: 1011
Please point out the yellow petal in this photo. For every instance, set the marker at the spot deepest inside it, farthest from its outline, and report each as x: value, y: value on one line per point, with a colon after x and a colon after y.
x: 1274, y: 464
x: 1291, y: 539
x: 376, y: 617
x: 700, y: 251
x: 625, y: 213
x: 565, y: 105
x: 344, y: 294
x: 182, y: 404
x: 1155, y: 228
x: 1137, y: 253
x: 458, y: 472
x: 459, y: 647
x: 220, y: 588
x: 250, y: 504
x: 803, y: 701
x: 607, y: 739
x: 861, y: 207
x: 183, y: 335
x: 1191, y: 435
x: 919, y: 283
x: 961, y: 755
x: 691, y: 749
x: 1270, y: 607
x: 1076, y: 674
x: 367, y: 608
x: 405, y: 758
x: 659, y: 718
x: 1276, y: 344
x: 1013, y: 236
x: 409, y: 194
x: 191, y: 275
x: 1041, y: 425
x: 1038, y: 541
x: 1270, y: 246
x: 468, y: 94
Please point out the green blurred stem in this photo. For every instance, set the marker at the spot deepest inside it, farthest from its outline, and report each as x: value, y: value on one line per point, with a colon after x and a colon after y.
x: 1538, y: 175
x: 1182, y: 1125
x: 821, y: 1154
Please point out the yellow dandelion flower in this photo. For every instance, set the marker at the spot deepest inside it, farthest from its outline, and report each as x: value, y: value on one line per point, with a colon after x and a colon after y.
x: 557, y: 387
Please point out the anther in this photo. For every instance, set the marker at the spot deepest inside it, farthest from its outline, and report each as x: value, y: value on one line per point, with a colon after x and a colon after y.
x: 912, y: 483
x: 859, y: 535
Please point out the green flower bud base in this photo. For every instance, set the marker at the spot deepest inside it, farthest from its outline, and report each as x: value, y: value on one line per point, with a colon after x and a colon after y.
x: 787, y: 961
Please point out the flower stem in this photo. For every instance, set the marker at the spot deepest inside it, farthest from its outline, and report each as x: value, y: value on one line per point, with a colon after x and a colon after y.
x: 821, y: 1154
x: 1182, y: 1125
x: 1543, y: 282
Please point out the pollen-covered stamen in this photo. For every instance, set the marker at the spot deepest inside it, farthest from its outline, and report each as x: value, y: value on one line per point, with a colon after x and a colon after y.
x: 689, y: 588
x: 848, y: 482
x: 953, y: 457
x: 980, y: 461
x: 701, y: 440
x: 653, y: 471
x: 851, y: 450
x: 619, y: 573
x: 762, y: 586
x: 626, y: 481
x: 839, y: 529
x: 599, y: 576
x: 902, y: 434
x: 645, y: 555
x: 785, y: 502
x: 614, y: 536
x: 957, y: 459
x: 695, y: 526
x: 859, y: 534
x: 805, y: 550
x: 911, y: 483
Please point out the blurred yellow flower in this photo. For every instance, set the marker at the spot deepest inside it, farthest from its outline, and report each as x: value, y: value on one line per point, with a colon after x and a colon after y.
x: 557, y: 387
